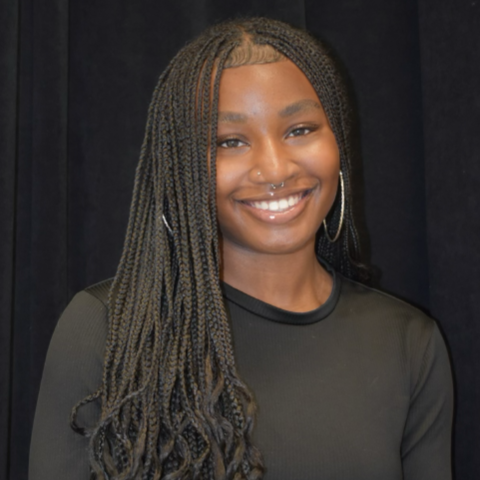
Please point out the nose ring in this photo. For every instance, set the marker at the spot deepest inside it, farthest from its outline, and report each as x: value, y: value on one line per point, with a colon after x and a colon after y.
x: 279, y: 185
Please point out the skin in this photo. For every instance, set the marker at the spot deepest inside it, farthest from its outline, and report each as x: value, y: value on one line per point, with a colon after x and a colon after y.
x: 272, y: 129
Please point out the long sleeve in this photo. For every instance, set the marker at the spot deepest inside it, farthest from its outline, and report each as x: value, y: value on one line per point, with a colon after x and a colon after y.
x: 426, y: 446
x: 73, y: 370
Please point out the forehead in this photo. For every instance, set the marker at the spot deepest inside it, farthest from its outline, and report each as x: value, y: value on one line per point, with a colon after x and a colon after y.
x: 263, y: 85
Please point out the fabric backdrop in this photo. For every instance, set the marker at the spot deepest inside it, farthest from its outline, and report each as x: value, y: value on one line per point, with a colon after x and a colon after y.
x: 76, y: 78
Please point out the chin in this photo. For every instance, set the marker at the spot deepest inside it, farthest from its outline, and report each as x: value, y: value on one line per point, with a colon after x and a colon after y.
x: 279, y: 246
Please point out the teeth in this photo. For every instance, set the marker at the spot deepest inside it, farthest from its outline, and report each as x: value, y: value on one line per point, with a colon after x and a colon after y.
x: 277, y: 206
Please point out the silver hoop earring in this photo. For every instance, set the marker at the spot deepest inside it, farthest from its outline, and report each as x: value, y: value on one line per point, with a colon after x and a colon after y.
x: 279, y: 185
x: 167, y: 225
x: 342, y: 212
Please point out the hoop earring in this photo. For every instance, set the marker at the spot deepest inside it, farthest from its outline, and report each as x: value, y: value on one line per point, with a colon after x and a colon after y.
x: 342, y: 212
x: 167, y: 225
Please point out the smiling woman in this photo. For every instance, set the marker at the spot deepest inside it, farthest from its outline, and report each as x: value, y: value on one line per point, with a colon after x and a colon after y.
x: 237, y: 339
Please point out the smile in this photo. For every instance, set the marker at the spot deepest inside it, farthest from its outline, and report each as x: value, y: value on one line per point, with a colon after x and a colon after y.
x: 281, y: 205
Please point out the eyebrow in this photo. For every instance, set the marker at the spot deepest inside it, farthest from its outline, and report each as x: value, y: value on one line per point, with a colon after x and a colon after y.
x: 231, y: 117
x: 301, y: 105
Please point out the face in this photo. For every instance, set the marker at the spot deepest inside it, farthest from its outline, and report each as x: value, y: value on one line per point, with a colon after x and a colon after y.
x: 272, y: 130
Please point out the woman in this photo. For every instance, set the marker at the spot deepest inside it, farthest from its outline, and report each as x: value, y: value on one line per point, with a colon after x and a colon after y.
x: 239, y: 289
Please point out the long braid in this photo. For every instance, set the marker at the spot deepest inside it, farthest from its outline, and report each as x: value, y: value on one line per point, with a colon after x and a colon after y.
x: 173, y: 403
x: 319, y: 68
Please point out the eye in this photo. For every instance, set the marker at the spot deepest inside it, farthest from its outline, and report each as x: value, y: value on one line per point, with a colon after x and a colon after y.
x: 300, y: 131
x: 230, y: 143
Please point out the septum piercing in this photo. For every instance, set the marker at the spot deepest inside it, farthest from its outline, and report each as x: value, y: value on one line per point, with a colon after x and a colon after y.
x: 274, y: 186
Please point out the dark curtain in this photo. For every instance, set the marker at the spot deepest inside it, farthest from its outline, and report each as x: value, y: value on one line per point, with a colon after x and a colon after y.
x: 76, y: 81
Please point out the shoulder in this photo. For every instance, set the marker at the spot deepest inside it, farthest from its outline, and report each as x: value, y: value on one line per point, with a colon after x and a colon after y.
x: 88, y: 309
x: 390, y: 325
x: 100, y: 290
x: 380, y: 307
x: 83, y: 326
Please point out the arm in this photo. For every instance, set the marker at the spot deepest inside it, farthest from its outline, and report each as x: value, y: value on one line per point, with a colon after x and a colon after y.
x: 426, y: 444
x: 73, y: 370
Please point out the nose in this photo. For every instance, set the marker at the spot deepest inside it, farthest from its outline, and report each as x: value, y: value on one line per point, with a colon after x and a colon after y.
x: 272, y: 163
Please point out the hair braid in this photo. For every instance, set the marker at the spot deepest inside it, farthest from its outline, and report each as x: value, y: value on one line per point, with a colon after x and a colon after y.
x: 320, y: 69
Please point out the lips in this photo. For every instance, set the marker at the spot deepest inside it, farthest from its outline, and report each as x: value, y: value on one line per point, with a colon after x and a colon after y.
x: 279, y: 210
x: 278, y: 205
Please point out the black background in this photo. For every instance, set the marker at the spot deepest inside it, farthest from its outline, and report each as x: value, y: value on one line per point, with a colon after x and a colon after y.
x: 76, y: 79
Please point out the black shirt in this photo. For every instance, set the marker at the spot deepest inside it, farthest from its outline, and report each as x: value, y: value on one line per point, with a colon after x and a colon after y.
x: 358, y: 389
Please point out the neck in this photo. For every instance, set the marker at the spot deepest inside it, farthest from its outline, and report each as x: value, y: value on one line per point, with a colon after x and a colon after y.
x: 294, y: 281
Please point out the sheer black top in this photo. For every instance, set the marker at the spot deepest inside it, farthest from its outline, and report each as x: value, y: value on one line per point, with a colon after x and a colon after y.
x: 358, y: 389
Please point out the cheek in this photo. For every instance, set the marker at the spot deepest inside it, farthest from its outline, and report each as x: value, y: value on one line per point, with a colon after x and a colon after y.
x: 228, y: 176
x: 231, y: 221
x: 323, y: 160
x: 226, y: 179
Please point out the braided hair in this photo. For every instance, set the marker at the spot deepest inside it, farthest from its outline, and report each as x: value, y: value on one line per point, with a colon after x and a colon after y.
x: 173, y: 403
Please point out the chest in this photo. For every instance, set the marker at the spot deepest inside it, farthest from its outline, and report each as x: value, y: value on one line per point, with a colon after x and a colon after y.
x: 330, y: 406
